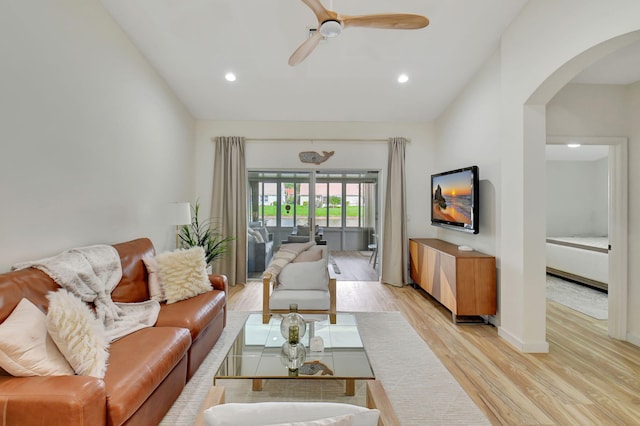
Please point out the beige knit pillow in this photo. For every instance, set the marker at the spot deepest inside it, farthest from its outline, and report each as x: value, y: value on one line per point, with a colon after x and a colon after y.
x: 183, y: 274
x: 79, y: 335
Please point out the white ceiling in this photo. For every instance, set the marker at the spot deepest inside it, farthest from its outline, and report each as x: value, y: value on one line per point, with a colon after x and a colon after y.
x: 193, y: 43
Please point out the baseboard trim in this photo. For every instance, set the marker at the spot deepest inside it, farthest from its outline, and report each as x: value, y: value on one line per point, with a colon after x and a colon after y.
x: 526, y: 347
x: 634, y: 339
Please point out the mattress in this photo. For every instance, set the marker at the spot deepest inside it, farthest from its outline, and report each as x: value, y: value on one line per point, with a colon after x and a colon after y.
x: 582, y: 259
x: 599, y: 244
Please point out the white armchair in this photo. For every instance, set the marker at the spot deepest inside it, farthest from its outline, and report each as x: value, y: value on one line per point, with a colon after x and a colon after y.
x: 307, y: 281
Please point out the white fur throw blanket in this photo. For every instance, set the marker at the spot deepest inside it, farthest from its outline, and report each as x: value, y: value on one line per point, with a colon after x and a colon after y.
x: 284, y: 255
x: 91, y: 273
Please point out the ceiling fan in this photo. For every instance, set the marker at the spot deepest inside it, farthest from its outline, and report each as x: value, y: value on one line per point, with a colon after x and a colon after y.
x: 330, y: 24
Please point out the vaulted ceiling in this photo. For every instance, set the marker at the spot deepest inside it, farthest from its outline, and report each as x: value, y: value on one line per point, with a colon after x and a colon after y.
x: 353, y: 77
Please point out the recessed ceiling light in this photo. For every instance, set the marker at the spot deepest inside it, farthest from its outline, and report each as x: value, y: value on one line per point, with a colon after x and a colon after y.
x: 403, y: 78
x: 230, y: 76
x: 573, y: 145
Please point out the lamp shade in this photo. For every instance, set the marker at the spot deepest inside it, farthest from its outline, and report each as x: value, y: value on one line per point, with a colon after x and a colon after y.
x: 179, y: 213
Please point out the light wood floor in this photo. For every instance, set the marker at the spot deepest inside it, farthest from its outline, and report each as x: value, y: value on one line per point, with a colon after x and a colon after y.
x: 586, y: 378
x: 354, y: 266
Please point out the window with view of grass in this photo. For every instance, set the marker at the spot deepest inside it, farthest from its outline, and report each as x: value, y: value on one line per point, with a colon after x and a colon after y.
x: 336, y: 201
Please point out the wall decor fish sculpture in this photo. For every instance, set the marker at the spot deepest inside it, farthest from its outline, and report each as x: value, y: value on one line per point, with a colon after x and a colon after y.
x: 314, y: 157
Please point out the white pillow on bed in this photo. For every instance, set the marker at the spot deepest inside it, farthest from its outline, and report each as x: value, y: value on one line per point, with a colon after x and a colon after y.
x: 304, y: 276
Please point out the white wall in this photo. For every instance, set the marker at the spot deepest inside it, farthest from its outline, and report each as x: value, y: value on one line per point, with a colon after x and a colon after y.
x: 94, y: 144
x: 468, y: 133
x: 577, y: 198
x: 589, y: 110
x: 361, y: 155
x: 538, y: 59
x: 634, y: 215
x: 500, y: 120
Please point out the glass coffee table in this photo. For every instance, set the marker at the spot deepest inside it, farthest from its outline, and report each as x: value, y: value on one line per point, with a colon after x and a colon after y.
x: 256, y: 352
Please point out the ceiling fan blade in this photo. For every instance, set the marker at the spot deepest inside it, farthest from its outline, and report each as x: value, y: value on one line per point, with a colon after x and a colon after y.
x: 305, y: 49
x: 321, y: 13
x: 399, y: 21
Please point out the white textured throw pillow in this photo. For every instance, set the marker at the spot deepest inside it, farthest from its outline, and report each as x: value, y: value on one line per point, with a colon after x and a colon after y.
x: 155, y: 285
x: 183, y: 273
x: 26, y: 349
x: 79, y: 335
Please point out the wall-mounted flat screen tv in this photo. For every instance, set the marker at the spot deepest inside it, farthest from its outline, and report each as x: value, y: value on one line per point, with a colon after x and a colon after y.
x: 454, y: 199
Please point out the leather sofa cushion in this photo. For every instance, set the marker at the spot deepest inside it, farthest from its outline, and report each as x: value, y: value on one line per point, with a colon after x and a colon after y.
x: 52, y: 400
x: 194, y: 314
x: 29, y: 283
x: 133, y: 285
x: 138, y: 363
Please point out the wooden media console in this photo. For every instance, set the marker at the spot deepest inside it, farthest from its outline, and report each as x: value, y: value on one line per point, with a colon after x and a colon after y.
x: 463, y: 281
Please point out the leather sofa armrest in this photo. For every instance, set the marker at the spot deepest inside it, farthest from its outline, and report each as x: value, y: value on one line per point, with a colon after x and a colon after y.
x: 219, y: 282
x: 53, y: 400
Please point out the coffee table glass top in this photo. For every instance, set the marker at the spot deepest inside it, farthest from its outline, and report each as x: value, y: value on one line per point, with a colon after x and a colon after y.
x: 256, y: 351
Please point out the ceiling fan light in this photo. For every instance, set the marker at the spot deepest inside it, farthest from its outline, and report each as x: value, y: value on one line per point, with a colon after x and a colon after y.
x: 330, y: 28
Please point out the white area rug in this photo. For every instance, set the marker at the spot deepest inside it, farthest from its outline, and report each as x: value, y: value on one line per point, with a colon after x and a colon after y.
x: 578, y: 297
x: 420, y: 388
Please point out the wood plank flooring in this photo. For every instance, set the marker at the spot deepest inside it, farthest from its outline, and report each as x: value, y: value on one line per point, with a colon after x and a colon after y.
x: 586, y: 378
x: 354, y: 266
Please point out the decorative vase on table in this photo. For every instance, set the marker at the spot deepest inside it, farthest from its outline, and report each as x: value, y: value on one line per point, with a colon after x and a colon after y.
x: 292, y: 325
x: 293, y: 328
x: 293, y: 356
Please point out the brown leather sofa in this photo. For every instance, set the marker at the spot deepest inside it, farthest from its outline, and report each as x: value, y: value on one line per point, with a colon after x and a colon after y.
x: 147, y: 369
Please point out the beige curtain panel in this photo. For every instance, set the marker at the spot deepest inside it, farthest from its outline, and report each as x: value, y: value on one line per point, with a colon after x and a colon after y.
x: 395, y: 242
x: 229, y: 205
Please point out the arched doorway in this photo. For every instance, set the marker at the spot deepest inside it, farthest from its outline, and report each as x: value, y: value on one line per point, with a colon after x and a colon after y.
x: 534, y: 126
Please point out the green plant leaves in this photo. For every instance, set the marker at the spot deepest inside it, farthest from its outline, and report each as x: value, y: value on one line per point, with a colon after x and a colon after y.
x: 205, y: 235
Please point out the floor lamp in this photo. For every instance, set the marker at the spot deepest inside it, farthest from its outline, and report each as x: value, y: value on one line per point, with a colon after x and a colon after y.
x: 180, y: 214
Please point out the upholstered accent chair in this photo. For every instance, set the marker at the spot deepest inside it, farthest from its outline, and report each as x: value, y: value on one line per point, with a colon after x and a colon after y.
x: 308, y: 281
x: 300, y: 234
x: 259, y: 248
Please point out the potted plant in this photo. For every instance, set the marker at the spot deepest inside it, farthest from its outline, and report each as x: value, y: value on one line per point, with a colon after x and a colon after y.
x: 204, y: 234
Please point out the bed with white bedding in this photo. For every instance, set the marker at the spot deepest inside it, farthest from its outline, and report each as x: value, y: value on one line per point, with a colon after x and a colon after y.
x: 581, y: 259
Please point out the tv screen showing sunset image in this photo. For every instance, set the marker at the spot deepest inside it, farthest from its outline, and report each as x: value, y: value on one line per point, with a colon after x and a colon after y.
x: 452, y: 197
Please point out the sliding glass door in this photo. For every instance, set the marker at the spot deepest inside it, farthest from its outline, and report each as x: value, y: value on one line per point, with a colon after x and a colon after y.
x: 279, y: 201
x: 338, y: 208
x: 349, y: 208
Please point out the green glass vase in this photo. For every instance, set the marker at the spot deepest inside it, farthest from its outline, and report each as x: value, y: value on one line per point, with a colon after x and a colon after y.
x: 293, y: 326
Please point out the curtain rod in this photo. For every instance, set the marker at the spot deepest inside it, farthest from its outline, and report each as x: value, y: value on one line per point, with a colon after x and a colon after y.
x: 318, y: 139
